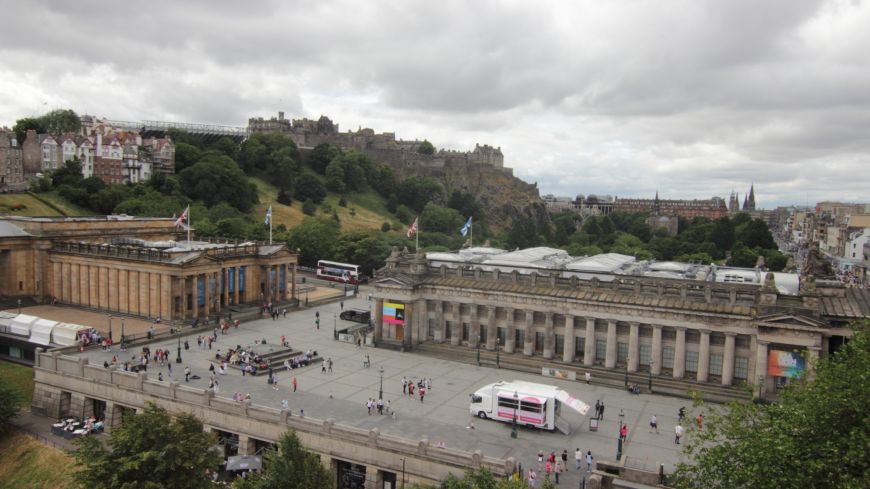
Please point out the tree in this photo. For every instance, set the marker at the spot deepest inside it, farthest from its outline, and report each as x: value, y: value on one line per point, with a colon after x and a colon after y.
x: 335, y: 176
x: 151, y: 450
x: 309, y: 187
x: 284, y: 197
x: 441, y: 219
x: 216, y: 178
x: 291, y: 466
x: 322, y: 155
x: 22, y: 125
x: 426, y: 148
x: 70, y: 173
x: 10, y: 399
x: 315, y: 238
x: 484, y: 479
x: 816, y: 435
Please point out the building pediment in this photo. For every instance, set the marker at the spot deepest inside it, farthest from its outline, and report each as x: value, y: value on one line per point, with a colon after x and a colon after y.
x: 392, y: 282
x: 790, y: 321
x: 192, y: 260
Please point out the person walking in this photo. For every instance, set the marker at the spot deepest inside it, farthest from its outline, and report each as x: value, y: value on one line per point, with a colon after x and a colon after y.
x: 623, y: 432
x: 560, y: 467
x: 597, y: 408
x: 187, y: 373
x: 533, y: 479
x: 589, y: 461
x: 678, y: 433
x: 329, y: 364
x: 653, y: 424
x: 588, y: 377
x: 601, y: 413
x: 700, y: 421
x: 578, y: 459
x: 294, y: 384
x: 422, y: 392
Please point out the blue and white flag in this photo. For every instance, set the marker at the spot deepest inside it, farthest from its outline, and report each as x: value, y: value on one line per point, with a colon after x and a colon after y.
x: 268, y: 215
x: 465, y: 228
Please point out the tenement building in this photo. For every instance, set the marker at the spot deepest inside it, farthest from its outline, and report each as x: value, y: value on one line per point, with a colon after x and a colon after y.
x: 138, y: 266
x: 698, y: 325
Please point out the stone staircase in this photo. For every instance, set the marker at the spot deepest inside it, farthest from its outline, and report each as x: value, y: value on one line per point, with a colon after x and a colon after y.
x: 600, y: 376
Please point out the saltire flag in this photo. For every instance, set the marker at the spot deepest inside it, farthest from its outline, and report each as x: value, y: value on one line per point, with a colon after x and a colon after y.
x: 413, y: 229
x: 268, y: 215
x: 182, y: 219
x: 465, y: 228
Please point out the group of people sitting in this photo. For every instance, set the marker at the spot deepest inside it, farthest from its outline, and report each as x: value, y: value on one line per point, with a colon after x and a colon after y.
x: 74, y: 427
x: 634, y: 389
x: 298, y: 361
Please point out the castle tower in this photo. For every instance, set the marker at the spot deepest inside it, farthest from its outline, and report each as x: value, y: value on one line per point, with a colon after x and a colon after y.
x: 745, y: 202
x: 657, y: 205
x: 733, y: 203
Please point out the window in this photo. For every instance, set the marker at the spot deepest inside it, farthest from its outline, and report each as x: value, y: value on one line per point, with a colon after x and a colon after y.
x: 531, y: 407
x: 481, y: 329
x: 691, y: 361
x: 741, y: 367
x: 507, y: 402
x: 560, y: 344
x: 622, y: 352
x: 499, y: 335
x: 600, y: 349
x: 519, y: 337
x: 579, y: 346
x: 645, y: 354
x: 539, y: 341
x: 715, y: 364
x: 464, y: 331
x: 447, y: 329
x: 431, y: 328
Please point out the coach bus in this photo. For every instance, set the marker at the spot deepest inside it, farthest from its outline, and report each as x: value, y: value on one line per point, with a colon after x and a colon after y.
x: 339, y: 272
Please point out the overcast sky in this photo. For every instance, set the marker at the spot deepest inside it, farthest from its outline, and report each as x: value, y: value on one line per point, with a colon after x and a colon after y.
x: 690, y: 98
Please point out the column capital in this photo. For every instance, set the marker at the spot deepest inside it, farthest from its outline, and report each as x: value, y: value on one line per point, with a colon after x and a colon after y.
x: 634, y: 323
x: 681, y: 328
x: 729, y: 333
x: 704, y: 331
x: 657, y: 326
x: 762, y: 342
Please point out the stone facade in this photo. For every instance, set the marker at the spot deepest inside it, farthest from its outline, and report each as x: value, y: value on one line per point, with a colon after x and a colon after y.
x: 66, y: 385
x: 699, y: 332
x: 132, y: 266
x: 11, y: 163
x: 711, y: 208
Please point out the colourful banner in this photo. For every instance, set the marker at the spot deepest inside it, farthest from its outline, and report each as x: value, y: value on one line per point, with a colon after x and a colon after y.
x: 785, y: 364
x: 394, y: 313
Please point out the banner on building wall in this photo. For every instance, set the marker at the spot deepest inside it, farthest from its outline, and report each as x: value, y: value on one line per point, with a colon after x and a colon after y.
x: 394, y: 313
x: 231, y: 279
x: 785, y: 364
x: 242, y: 279
x: 200, y: 292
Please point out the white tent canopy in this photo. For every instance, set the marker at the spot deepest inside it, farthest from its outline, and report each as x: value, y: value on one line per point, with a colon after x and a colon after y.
x: 66, y: 334
x: 40, y: 331
x: 21, y: 324
x: 6, y: 320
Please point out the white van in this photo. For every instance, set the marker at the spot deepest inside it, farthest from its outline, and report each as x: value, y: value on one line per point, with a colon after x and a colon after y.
x: 534, y: 405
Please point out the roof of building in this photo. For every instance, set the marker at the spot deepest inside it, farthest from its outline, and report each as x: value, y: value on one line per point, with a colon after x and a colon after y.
x: 855, y: 304
x: 10, y: 230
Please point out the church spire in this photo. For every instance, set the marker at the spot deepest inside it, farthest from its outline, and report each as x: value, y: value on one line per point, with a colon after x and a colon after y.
x: 752, y: 197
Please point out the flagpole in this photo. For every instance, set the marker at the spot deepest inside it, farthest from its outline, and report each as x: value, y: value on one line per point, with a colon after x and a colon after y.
x: 471, y: 229
x: 417, y: 235
x: 270, y: 229
x: 188, y: 227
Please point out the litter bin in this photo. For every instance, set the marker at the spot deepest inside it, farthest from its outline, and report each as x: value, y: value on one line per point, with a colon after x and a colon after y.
x: 593, y: 424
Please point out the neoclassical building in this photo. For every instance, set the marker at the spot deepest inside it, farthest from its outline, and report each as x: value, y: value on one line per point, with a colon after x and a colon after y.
x: 138, y: 266
x: 698, y: 323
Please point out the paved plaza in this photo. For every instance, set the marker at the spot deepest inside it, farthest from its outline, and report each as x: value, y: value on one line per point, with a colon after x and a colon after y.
x: 444, y: 416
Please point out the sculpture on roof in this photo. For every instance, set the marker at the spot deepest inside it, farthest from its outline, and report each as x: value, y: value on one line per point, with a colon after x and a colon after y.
x: 769, y: 282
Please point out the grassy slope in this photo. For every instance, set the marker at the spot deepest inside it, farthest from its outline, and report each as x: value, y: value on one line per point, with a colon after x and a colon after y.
x: 370, y: 209
x: 20, y: 378
x: 33, y: 206
x: 27, y: 463
x: 68, y: 208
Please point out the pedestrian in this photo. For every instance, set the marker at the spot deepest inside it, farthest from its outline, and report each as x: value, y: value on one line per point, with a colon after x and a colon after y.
x: 578, y: 458
x: 380, y: 405
x: 160, y: 376
x: 329, y: 364
x: 588, y: 377
x: 317, y: 323
x: 597, y: 408
x: 540, y: 457
x: 285, y: 404
x: 187, y: 373
x: 601, y: 413
x: 342, y: 305
x: 560, y: 467
x: 274, y: 381
x: 294, y: 384
x: 700, y: 421
x: 589, y: 461
x: 323, y: 367
x: 565, y: 458
x: 678, y: 433
x: 285, y: 312
x: 548, y: 468
x: 369, y: 405
x: 169, y: 366
x: 422, y: 391
x: 216, y: 386
x: 533, y: 479
x: 404, y: 385
x: 681, y: 414
x: 653, y: 424
x: 623, y: 432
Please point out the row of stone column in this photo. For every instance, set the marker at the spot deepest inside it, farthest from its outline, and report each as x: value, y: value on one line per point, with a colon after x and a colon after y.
x: 136, y: 292
x: 273, y: 290
x: 590, y: 354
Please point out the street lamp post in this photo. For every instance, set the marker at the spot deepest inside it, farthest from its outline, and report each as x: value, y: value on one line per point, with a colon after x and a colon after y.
x: 626, y: 376
x: 110, y: 328
x: 514, y: 421
x: 381, y: 388
x: 479, y: 336
x: 178, y: 357
x: 334, y: 326
x: 123, y: 337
